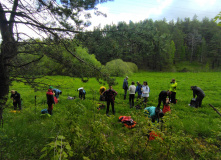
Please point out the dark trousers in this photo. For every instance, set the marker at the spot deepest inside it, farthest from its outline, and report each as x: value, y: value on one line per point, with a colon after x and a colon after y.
x: 138, y: 96
x: 108, y: 104
x: 17, y: 103
x: 159, y: 102
x: 131, y: 100
x: 173, y: 97
x: 125, y: 93
x: 50, y: 108
x: 81, y: 95
x: 199, y: 100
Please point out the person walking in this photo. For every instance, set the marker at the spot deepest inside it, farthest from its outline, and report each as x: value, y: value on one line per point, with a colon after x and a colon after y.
x: 125, y: 86
x: 197, y: 91
x: 145, y: 92
x: 110, y: 95
x: 139, y: 90
x: 15, y: 96
x: 132, y: 91
x: 50, y: 99
x: 173, y: 86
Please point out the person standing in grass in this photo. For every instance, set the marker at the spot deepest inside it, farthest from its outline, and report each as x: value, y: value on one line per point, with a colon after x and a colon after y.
x: 125, y: 86
x: 139, y: 90
x: 200, y: 95
x: 15, y: 96
x: 132, y: 90
x: 145, y: 92
x: 173, y: 85
x: 50, y: 99
x: 110, y: 97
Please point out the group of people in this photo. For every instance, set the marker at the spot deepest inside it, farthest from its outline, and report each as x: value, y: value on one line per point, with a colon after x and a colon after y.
x: 142, y: 90
x: 109, y: 95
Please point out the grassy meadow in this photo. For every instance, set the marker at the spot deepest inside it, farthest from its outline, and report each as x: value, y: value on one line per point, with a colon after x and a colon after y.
x: 78, y: 130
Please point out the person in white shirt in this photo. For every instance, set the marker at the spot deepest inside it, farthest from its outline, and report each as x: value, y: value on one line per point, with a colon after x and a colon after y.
x: 132, y: 90
x: 145, y: 92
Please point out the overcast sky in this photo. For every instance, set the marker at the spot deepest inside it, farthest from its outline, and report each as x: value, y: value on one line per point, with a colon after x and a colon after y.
x: 137, y: 10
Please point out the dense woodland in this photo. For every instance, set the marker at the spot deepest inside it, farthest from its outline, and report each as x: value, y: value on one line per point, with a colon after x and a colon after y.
x: 157, y: 45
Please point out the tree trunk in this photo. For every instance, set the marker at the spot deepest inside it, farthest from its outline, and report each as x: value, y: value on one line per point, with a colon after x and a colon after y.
x: 4, y: 86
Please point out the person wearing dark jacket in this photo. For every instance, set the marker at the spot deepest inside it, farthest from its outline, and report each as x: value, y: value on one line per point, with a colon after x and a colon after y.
x: 50, y: 100
x: 15, y: 96
x: 162, y: 97
x: 139, y: 90
x: 125, y: 87
x: 200, y: 95
x: 110, y: 97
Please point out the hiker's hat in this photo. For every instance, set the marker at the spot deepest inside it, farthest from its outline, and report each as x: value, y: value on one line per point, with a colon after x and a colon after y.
x: 50, y: 87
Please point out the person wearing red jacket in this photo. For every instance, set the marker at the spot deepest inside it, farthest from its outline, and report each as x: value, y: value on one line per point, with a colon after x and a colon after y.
x: 50, y: 99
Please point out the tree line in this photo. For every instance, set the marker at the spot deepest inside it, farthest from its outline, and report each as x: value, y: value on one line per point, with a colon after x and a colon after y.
x: 157, y: 45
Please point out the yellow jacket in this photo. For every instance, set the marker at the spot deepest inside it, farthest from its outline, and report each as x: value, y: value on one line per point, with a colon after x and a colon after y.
x: 100, y: 91
x: 173, y: 87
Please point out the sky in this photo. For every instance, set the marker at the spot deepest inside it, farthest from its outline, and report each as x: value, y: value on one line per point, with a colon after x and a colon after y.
x: 138, y: 10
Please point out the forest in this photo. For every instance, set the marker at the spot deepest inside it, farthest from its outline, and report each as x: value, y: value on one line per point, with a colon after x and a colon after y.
x: 157, y: 45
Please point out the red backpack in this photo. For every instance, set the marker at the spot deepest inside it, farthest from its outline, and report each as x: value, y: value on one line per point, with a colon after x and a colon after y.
x: 127, y: 121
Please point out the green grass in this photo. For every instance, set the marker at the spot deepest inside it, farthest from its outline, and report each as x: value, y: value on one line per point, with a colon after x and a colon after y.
x: 187, y: 132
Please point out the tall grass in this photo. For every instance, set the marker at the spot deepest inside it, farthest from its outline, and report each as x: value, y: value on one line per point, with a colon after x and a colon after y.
x: 187, y: 131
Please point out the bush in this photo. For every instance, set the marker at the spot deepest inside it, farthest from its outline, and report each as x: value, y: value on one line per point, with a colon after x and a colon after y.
x: 120, y: 68
x: 133, y: 67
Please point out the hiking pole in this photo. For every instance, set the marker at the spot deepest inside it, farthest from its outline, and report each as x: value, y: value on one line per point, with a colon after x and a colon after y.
x: 35, y: 104
x: 215, y: 109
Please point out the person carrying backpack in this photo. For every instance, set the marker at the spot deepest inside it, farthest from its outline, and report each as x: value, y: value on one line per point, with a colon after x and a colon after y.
x: 110, y: 97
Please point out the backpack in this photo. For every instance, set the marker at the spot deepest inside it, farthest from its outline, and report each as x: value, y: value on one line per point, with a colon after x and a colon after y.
x: 101, y: 106
x: 127, y: 121
x: 193, y: 102
x: 44, y: 111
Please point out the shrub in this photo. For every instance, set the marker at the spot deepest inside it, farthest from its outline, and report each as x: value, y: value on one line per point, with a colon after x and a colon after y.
x: 120, y: 68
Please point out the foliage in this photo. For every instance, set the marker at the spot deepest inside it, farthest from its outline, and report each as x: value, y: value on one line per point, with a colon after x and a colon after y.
x: 120, y: 68
x: 59, y: 148
x: 218, y: 19
x: 157, y: 45
x: 187, y: 133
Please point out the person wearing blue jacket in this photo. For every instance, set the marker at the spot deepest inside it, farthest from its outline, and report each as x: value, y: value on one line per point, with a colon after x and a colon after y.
x: 57, y: 92
x: 125, y: 86
x: 138, y: 90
